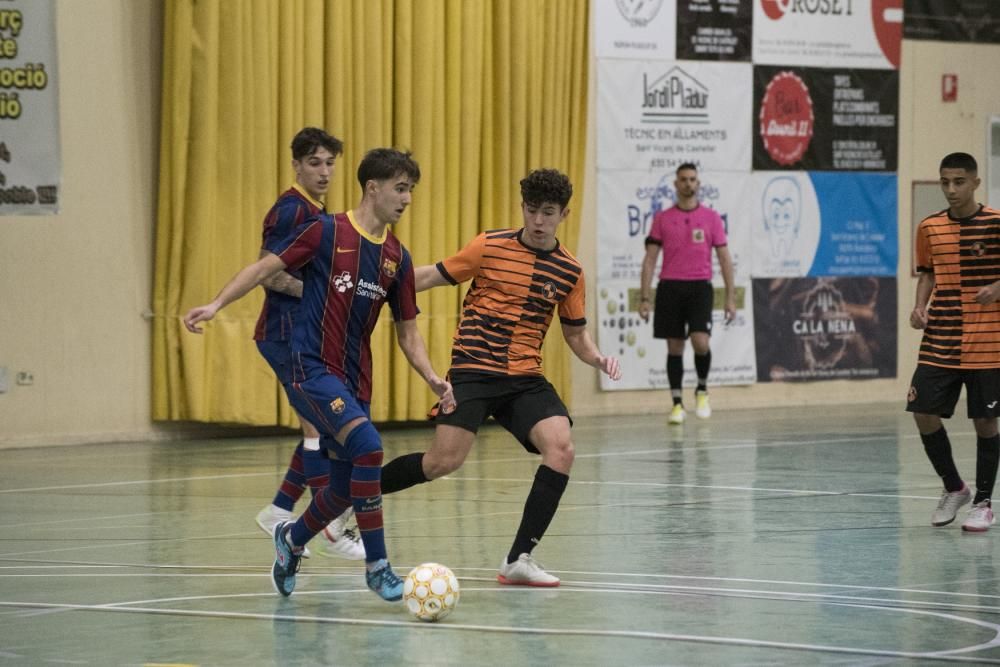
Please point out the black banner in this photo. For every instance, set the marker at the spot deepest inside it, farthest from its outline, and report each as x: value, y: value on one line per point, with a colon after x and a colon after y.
x: 952, y: 20
x: 714, y: 29
x: 825, y: 328
x: 825, y: 119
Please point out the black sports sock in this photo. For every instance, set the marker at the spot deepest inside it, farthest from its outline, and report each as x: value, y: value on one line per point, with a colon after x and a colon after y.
x: 539, y: 508
x: 938, y: 449
x: 702, y: 364
x: 403, y: 472
x: 675, y: 375
x: 987, y: 457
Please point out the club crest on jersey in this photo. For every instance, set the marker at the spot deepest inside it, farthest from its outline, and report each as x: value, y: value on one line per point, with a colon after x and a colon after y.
x: 978, y: 248
x: 343, y: 282
x: 698, y: 235
x: 389, y: 267
x: 338, y: 405
x: 549, y: 291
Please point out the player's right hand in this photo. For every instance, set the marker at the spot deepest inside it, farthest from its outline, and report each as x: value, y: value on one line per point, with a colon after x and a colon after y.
x: 644, y: 310
x: 198, y: 314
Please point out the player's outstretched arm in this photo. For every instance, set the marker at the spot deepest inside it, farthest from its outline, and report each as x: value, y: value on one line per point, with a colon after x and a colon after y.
x: 282, y: 281
x: 428, y: 276
x: 413, y: 347
x: 244, y: 281
x: 585, y: 349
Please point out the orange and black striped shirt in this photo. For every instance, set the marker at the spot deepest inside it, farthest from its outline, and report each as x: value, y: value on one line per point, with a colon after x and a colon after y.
x: 964, y: 256
x: 509, y: 306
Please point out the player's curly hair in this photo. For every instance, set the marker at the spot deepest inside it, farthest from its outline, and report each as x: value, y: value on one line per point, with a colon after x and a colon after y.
x: 310, y: 139
x: 546, y: 186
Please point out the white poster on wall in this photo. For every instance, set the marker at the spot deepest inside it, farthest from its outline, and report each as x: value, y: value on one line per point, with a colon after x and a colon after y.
x: 828, y: 33
x: 627, y: 201
x: 29, y: 109
x: 634, y: 28
x: 654, y: 115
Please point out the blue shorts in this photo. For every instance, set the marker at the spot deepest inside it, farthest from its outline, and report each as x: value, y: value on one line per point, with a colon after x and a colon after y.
x: 278, y: 355
x: 326, y: 402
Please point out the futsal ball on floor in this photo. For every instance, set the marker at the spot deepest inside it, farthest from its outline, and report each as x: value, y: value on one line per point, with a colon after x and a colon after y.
x: 430, y: 591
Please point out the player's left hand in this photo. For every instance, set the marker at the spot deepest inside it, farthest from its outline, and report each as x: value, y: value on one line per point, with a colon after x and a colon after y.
x: 446, y: 394
x: 611, y: 367
x: 988, y: 294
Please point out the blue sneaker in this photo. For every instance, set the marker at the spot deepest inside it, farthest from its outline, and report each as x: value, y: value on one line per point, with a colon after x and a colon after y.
x: 384, y: 581
x: 286, y: 561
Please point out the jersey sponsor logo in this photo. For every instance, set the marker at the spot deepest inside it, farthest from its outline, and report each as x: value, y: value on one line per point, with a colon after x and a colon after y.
x: 341, y: 249
x: 338, y: 405
x: 343, y: 282
x: 389, y: 268
x: 371, y: 290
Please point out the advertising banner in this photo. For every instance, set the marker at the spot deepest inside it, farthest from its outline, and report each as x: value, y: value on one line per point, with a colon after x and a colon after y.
x: 953, y: 20
x: 825, y: 328
x: 714, y: 29
x: 627, y: 201
x: 825, y: 119
x: 634, y: 28
x: 655, y: 115
x: 29, y: 109
x: 828, y: 33
x: 824, y: 224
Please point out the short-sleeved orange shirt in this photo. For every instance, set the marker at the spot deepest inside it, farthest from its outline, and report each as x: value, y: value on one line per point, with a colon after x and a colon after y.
x: 514, y: 293
x: 963, y: 255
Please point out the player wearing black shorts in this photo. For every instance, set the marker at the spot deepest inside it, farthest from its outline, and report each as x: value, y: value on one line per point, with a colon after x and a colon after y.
x: 520, y: 278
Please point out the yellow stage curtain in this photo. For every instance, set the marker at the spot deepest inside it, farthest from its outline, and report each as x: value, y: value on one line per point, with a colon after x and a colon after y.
x: 481, y: 91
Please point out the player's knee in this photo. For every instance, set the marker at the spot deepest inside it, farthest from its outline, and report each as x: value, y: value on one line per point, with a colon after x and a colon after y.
x: 363, y: 439
x: 440, y: 462
x: 559, y: 455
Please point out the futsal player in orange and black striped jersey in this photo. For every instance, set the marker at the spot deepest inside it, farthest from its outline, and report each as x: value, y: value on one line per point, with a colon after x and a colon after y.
x: 520, y: 278
x: 958, y: 308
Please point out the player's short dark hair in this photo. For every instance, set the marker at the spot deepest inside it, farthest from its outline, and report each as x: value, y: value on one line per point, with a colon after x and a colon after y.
x: 381, y: 164
x: 546, y: 186
x: 310, y: 139
x: 686, y: 165
x: 960, y: 161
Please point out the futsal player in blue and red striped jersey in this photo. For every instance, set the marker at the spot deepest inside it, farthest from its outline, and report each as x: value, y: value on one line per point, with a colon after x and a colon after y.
x: 314, y: 154
x: 352, y: 265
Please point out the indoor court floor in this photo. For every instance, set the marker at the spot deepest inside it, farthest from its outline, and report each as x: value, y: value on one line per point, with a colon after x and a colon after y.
x: 795, y: 536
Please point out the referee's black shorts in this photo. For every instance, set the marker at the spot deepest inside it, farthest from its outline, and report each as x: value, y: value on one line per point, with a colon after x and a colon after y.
x: 683, y: 307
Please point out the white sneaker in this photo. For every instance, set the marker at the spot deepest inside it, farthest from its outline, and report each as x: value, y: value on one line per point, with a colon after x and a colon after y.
x: 703, y: 410
x: 949, y: 505
x: 340, y: 541
x: 271, y: 516
x: 980, y: 518
x: 676, y: 414
x: 525, y: 572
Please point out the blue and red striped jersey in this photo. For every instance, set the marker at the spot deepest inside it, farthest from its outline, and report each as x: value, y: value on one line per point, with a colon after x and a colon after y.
x: 348, y: 276
x: 293, y: 208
